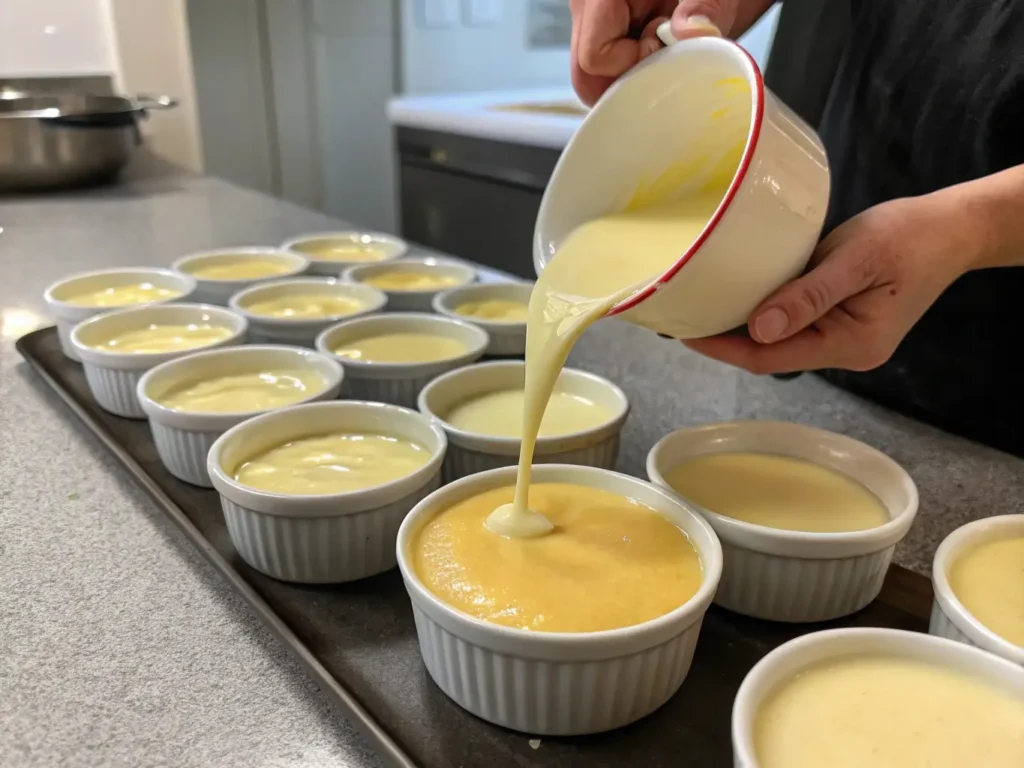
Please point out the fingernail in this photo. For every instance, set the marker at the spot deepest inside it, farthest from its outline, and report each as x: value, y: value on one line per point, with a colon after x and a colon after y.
x: 703, y: 22
x: 771, y: 325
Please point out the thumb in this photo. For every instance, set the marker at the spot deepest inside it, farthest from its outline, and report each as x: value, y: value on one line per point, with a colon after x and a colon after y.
x: 697, y: 18
x: 798, y: 304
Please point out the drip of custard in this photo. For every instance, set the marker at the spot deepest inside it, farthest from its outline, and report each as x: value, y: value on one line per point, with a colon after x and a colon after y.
x: 244, y: 392
x: 155, y: 339
x: 340, y: 250
x: 240, y: 269
x: 401, y: 348
x: 600, y: 263
x: 122, y: 295
x: 407, y: 280
x: 500, y: 414
x: 609, y: 562
x: 305, y: 306
x: 778, y: 492
x: 988, y: 580
x: 494, y: 310
x: 876, y: 711
x: 335, y: 463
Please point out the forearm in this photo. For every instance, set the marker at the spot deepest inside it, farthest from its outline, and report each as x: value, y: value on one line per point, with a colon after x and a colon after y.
x: 992, y: 210
x: 748, y: 13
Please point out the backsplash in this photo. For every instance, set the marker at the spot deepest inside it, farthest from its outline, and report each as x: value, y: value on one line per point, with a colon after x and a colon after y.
x: 549, y: 24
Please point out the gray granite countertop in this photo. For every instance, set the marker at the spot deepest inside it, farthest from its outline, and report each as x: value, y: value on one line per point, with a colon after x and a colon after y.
x: 120, y: 646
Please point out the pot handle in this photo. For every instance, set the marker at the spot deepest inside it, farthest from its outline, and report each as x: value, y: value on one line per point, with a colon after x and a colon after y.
x: 143, y: 102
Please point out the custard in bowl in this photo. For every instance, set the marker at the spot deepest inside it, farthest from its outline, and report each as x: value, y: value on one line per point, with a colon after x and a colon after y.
x: 391, y: 357
x: 331, y: 252
x: 316, y: 493
x: 808, y: 519
x: 297, y: 311
x: 117, y: 348
x: 879, y: 698
x: 582, y: 599
x: 80, y: 297
x: 224, y: 272
x: 498, y: 308
x: 193, y: 400
x: 978, y: 581
x: 412, y: 283
x: 481, y: 408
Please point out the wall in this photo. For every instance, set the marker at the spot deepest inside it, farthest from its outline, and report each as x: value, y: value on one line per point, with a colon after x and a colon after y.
x: 464, y: 58
x: 153, y: 48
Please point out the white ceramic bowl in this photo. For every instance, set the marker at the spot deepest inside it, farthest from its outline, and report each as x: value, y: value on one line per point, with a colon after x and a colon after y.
x: 183, y: 439
x: 114, y: 376
x: 507, y: 338
x: 797, y: 576
x: 264, y: 329
x: 549, y: 683
x: 470, y: 452
x: 790, y: 659
x: 413, y: 301
x: 70, y: 315
x: 392, y: 247
x: 326, y: 538
x: 681, y: 106
x: 399, y: 383
x: 950, y: 618
x: 220, y: 291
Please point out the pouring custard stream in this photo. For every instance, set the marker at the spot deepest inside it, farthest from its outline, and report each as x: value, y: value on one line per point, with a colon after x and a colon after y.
x: 600, y: 263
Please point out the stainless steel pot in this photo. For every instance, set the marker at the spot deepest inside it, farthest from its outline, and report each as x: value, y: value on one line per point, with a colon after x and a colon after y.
x: 69, y: 140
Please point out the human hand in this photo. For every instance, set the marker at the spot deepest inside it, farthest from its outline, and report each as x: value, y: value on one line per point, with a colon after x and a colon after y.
x: 609, y: 37
x: 873, y: 278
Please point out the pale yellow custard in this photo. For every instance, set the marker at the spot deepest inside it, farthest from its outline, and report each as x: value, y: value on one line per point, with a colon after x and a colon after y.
x: 407, y: 280
x: 778, y: 492
x: 241, y: 269
x: 599, y: 264
x: 876, y: 711
x: 500, y: 414
x: 122, y: 296
x: 243, y: 392
x: 340, y: 250
x: 988, y: 580
x: 401, y: 348
x: 305, y: 306
x: 609, y: 562
x: 335, y: 463
x: 494, y: 310
x: 156, y: 339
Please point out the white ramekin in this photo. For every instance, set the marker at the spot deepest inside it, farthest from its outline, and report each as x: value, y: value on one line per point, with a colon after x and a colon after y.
x: 114, y: 376
x: 413, y: 301
x: 549, y: 683
x: 508, y: 339
x: 183, y: 439
x: 332, y: 537
x: 950, y: 618
x: 469, y: 453
x: 790, y: 659
x: 220, y: 291
x: 393, y: 248
x: 70, y: 315
x: 399, y: 383
x: 797, y: 576
x: 264, y: 329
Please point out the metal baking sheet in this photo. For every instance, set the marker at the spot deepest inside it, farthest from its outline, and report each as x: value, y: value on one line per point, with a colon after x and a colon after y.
x: 358, y: 641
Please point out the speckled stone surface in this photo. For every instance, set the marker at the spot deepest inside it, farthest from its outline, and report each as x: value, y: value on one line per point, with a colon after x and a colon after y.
x: 119, y: 646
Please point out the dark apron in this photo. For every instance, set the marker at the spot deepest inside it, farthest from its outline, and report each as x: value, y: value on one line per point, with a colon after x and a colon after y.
x: 924, y: 94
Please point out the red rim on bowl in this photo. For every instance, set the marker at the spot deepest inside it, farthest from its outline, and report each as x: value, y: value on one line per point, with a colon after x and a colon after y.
x: 741, y: 172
